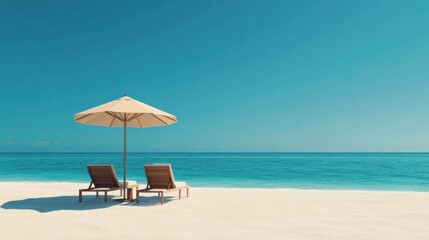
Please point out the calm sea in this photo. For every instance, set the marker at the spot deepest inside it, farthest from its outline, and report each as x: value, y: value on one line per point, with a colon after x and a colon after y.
x: 373, y: 171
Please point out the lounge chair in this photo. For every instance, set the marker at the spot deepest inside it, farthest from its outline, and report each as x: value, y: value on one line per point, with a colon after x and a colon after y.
x: 104, y: 179
x: 160, y: 180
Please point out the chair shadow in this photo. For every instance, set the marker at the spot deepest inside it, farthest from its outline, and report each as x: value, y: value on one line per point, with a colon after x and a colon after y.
x: 71, y: 203
x: 149, y: 201
x: 59, y: 203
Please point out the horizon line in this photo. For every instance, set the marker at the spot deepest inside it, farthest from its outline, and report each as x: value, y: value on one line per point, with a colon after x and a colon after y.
x: 228, y: 152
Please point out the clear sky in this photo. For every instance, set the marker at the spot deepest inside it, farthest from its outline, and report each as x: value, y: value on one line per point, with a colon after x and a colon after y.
x: 239, y: 75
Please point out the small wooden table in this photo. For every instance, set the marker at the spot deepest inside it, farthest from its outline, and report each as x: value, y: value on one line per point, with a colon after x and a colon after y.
x: 129, y: 193
x: 129, y: 196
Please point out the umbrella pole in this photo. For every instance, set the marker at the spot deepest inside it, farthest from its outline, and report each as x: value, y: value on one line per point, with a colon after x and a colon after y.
x: 125, y: 159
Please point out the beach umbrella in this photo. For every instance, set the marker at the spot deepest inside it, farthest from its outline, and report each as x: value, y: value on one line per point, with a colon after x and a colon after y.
x: 125, y: 112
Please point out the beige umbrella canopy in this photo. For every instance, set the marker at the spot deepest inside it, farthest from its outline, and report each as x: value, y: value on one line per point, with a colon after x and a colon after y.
x: 125, y: 112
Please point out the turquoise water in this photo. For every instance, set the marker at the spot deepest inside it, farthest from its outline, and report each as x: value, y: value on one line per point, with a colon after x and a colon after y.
x: 380, y: 171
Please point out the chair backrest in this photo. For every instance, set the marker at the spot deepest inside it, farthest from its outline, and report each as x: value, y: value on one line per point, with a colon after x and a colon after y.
x: 103, y: 175
x: 159, y: 176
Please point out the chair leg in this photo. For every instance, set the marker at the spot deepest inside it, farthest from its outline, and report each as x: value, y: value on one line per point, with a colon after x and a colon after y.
x: 105, y: 196
x: 137, y: 196
x: 162, y: 198
x: 158, y: 195
x: 180, y: 193
x: 97, y: 193
x: 80, y: 196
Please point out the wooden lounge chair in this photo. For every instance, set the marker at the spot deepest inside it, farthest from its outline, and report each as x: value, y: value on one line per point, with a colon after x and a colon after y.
x: 104, y: 179
x: 160, y: 180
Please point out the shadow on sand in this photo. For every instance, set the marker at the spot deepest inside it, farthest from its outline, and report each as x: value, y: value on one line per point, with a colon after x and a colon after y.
x: 60, y: 203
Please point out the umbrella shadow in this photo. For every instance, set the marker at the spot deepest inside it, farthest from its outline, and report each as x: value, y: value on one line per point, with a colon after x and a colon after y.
x: 59, y: 203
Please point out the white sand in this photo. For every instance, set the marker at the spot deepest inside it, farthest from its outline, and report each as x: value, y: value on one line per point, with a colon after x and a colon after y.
x: 51, y: 211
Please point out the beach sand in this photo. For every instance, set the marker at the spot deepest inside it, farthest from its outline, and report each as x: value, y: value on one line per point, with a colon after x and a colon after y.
x: 34, y: 210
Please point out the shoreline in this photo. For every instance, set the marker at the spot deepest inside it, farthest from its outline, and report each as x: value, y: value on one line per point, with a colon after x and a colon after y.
x: 29, y: 209
x: 237, y: 187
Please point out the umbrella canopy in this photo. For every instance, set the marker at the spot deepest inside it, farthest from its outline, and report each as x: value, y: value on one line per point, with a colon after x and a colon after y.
x: 125, y: 112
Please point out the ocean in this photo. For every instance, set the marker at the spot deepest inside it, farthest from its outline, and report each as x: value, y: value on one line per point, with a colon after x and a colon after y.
x: 360, y: 171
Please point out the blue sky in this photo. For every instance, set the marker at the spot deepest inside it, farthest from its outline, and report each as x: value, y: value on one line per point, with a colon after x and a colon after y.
x: 239, y: 75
